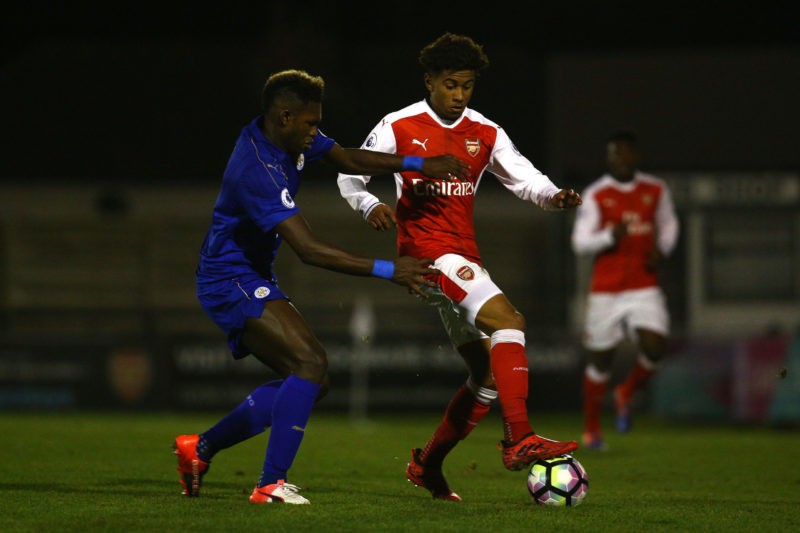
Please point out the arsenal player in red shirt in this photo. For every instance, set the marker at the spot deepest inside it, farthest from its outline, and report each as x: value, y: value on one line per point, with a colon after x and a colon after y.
x: 434, y: 219
x: 628, y: 224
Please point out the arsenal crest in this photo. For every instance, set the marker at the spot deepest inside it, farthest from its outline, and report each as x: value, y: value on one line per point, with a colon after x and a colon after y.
x: 465, y: 273
x: 473, y: 146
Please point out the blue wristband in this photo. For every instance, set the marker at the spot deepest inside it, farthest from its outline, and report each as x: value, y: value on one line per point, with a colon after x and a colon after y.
x: 383, y: 269
x: 413, y: 162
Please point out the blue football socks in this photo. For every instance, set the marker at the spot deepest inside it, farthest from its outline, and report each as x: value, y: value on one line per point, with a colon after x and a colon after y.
x: 291, y: 409
x: 248, y: 419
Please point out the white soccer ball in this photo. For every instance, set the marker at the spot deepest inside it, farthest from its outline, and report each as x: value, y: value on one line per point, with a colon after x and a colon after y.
x: 560, y: 481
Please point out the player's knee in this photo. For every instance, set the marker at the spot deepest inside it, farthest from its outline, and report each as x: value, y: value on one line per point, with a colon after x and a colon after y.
x: 653, y: 348
x: 600, y: 366
x: 600, y: 360
x: 510, y: 320
x: 652, y: 359
x: 312, y: 365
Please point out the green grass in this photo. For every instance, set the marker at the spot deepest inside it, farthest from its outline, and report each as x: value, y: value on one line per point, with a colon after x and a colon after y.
x: 87, y: 472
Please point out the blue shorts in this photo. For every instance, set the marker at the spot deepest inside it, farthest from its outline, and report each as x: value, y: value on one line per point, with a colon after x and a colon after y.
x: 231, y: 302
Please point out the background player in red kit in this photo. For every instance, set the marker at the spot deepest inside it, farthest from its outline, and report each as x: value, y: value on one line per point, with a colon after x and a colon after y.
x: 628, y: 222
x: 434, y: 219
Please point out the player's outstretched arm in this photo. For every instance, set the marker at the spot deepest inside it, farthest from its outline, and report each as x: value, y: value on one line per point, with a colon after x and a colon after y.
x: 367, y: 162
x: 407, y: 271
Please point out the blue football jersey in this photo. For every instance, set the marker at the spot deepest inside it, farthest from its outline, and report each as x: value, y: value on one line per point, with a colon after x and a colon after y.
x: 257, y: 193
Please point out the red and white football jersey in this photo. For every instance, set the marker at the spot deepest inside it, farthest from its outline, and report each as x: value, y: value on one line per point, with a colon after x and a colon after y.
x: 434, y: 216
x: 646, y: 205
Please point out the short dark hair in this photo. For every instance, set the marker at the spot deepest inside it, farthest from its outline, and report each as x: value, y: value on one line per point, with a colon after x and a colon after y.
x: 624, y: 136
x: 295, y: 83
x: 453, y: 52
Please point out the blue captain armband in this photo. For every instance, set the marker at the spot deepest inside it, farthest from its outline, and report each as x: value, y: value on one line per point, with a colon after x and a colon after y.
x: 413, y: 162
x: 383, y: 269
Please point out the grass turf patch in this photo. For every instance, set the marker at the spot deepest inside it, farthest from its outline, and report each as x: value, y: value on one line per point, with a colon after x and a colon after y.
x: 104, y: 471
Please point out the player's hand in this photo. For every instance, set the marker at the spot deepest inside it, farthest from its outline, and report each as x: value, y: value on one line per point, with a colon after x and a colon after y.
x: 565, y: 199
x: 445, y: 167
x: 619, y: 231
x: 381, y: 217
x: 412, y: 272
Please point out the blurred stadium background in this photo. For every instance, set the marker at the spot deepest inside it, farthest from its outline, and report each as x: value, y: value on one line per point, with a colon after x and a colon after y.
x: 117, y: 123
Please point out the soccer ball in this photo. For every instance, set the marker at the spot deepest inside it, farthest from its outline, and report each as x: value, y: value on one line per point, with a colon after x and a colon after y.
x: 560, y: 481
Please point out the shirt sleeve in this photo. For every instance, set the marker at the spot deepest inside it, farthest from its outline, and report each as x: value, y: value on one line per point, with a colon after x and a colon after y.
x: 587, y: 235
x: 320, y: 147
x: 667, y: 223
x: 518, y: 174
x: 352, y: 187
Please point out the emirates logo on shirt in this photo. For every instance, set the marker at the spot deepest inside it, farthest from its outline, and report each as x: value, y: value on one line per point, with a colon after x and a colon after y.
x: 608, y: 202
x: 473, y: 146
x: 442, y: 188
x: 465, y: 273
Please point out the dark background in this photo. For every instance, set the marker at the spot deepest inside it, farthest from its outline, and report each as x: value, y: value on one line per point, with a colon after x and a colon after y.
x: 103, y: 104
x: 158, y: 93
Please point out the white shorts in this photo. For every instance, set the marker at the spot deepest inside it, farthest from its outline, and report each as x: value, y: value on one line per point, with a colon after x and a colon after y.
x: 463, y: 289
x: 610, y: 317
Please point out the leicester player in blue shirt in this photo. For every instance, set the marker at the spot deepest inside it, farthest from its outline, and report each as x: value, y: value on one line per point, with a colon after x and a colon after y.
x: 255, y: 211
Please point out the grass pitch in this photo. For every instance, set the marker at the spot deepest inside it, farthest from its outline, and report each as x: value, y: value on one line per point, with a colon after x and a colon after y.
x: 114, y: 471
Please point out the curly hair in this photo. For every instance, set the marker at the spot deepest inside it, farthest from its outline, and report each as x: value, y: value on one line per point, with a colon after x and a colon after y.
x: 292, y: 83
x: 453, y: 52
